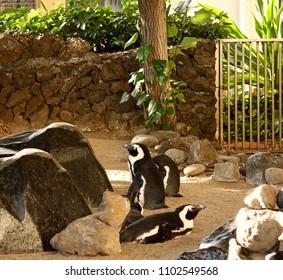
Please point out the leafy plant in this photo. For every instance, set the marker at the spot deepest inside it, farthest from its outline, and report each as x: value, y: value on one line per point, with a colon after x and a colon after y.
x: 154, y: 111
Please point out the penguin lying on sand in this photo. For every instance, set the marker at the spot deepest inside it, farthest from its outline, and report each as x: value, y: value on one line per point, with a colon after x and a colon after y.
x: 147, y: 185
x: 170, y: 174
x: 162, y: 226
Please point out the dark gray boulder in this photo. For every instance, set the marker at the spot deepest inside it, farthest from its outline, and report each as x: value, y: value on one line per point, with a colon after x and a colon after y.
x: 38, y: 199
x: 258, y: 163
x: 72, y: 150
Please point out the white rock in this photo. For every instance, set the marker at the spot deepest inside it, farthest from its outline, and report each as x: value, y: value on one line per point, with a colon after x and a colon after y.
x: 202, y: 151
x: 149, y: 140
x: 87, y: 237
x: 194, y: 169
x: 96, y: 234
x: 222, y: 159
x: 258, y: 235
x: 113, y: 209
x: 274, y: 176
x: 163, y: 135
x: 178, y: 156
x: 226, y: 172
x: 261, y: 197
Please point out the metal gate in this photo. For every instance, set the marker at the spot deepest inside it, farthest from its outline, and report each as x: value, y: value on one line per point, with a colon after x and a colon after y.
x: 249, y: 94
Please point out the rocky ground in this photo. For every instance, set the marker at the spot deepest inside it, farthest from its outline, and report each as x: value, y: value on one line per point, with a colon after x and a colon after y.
x: 222, y: 201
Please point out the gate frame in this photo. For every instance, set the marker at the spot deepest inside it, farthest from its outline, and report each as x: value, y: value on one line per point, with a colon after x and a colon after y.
x: 252, y: 145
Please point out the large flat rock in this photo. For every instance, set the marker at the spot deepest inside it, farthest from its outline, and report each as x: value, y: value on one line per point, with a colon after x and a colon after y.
x: 72, y: 150
x: 38, y: 199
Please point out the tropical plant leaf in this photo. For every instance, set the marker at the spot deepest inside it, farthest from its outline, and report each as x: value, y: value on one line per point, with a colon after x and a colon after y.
x: 175, y: 51
x: 183, y: 5
x: 125, y: 97
x: 153, y: 107
x: 142, y: 99
x: 143, y: 52
x: 172, y: 31
x: 169, y: 111
x: 189, y: 42
x: 132, y: 40
x: 201, y: 16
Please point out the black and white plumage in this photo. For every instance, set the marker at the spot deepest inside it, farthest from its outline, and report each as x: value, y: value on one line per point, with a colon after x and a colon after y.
x: 135, y: 213
x: 210, y: 253
x: 147, y: 185
x: 170, y: 174
x: 162, y: 226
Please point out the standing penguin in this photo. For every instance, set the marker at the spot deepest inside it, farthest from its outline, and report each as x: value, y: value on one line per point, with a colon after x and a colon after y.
x: 170, y: 174
x: 147, y: 185
x: 162, y: 226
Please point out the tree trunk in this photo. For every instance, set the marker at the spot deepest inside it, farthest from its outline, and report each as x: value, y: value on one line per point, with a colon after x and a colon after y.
x: 154, y: 33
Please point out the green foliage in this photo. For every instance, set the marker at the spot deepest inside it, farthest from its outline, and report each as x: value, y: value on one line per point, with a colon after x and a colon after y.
x: 105, y: 29
x: 203, y: 24
x: 154, y: 111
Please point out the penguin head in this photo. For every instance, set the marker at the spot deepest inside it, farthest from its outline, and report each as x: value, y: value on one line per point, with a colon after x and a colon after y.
x: 188, y: 212
x: 137, y: 207
x: 137, y: 151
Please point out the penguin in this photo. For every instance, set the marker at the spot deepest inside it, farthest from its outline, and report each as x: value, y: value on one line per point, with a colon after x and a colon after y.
x: 210, y: 253
x: 161, y: 227
x: 135, y: 213
x: 147, y: 185
x: 170, y: 174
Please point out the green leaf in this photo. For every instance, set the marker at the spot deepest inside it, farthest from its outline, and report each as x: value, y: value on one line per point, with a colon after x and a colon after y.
x: 180, y: 97
x: 169, y: 111
x: 171, y: 64
x: 166, y: 125
x: 125, y: 97
x: 132, y: 40
x: 172, y: 31
x: 201, y: 17
x: 175, y: 51
x: 189, y: 42
x: 143, y: 52
x: 152, y: 107
x: 142, y: 99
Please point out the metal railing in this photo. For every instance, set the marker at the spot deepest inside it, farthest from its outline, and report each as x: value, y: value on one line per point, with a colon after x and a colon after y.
x: 249, y: 94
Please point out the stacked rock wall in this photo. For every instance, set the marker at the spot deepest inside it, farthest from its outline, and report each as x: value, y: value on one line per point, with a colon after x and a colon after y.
x: 45, y: 80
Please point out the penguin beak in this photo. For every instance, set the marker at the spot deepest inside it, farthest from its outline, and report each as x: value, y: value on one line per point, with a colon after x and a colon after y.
x: 199, y: 207
x: 127, y: 146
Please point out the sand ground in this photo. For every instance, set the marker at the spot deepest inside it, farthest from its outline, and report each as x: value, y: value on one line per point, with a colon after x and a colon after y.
x: 222, y: 201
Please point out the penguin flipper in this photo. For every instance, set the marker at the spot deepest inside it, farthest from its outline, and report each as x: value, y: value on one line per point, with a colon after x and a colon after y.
x: 163, y: 234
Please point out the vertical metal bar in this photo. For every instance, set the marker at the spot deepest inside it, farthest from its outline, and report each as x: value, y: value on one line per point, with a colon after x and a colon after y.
x: 272, y: 95
x: 221, y: 92
x: 258, y: 94
x: 243, y: 98
x: 228, y: 96
x: 218, y: 93
x: 236, y: 93
x: 280, y: 95
x: 265, y: 97
x: 251, y: 95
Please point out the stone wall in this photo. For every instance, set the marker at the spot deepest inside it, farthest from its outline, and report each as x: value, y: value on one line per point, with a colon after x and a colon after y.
x: 44, y: 79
